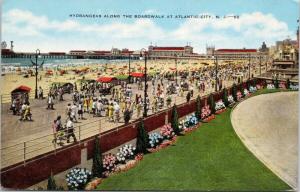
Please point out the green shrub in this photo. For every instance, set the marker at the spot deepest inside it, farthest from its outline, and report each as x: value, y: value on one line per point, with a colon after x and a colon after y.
x: 142, y: 140
x: 212, y: 103
x: 198, y: 108
x: 174, y: 120
x: 97, y: 168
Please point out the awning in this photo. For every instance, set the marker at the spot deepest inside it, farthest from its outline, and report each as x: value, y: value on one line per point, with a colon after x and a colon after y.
x: 21, y: 88
x: 106, y: 79
x: 137, y: 74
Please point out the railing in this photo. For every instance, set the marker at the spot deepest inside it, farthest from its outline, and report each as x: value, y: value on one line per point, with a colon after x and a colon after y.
x: 21, y: 152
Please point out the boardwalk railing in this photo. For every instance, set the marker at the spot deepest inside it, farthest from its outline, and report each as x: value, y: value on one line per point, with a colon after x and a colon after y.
x: 21, y: 152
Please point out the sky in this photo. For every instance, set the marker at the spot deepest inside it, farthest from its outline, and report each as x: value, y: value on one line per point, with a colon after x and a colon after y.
x: 47, y: 24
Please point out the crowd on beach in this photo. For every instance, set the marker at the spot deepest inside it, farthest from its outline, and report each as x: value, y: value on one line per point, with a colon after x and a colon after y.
x: 122, y: 101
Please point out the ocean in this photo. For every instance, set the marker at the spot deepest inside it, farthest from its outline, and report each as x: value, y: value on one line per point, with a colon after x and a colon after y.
x: 25, y: 62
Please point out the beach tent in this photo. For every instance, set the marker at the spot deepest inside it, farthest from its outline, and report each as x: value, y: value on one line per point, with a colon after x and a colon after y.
x: 137, y: 74
x: 49, y: 72
x: 20, y: 92
x: 106, y: 79
x: 21, y: 88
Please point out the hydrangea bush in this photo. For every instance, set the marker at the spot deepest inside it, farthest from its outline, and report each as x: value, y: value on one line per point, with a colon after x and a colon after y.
x: 239, y: 95
x: 270, y: 86
x: 167, y: 131
x: 205, y: 111
x: 77, y: 178
x: 190, y: 120
x: 282, y: 85
x: 109, y: 162
x: 246, y: 92
x: 252, y: 89
x: 182, y: 125
x: 220, y: 105
x: 258, y: 87
x: 294, y: 87
x: 230, y: 99
x: 125, y: 152
x: 155, y: 139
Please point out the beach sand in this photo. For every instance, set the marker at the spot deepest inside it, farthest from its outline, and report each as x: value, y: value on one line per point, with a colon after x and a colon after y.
x: 13, y: 80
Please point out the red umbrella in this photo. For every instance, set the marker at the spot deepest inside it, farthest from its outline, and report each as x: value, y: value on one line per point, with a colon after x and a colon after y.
x: 106, y: 79
x: 137, y: 74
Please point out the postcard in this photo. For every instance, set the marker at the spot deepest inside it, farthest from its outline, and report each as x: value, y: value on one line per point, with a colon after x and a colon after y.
x: 141, y: 95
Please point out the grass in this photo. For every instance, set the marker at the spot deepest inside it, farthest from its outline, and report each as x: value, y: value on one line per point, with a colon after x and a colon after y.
x: 210, y: 158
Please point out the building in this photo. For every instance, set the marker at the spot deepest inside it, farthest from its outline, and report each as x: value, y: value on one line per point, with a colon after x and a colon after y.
x: 286, y: 50
x: 77, y: 52
x: 155, y: 51
x: 235, y: 53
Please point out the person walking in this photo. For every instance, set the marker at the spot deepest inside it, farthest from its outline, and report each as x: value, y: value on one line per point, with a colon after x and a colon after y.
x: 54, y: 129
x: 188, y: 97
x: 80, y: 110
x: 110, y: 111
x: 70, y: 130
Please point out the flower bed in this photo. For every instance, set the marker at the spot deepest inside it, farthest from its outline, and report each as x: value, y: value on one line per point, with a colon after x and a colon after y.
x: 282, y: 85
x: 125, y: 152
x: 93, y: 184
x: 109, y: 162
x: 246, y: 93
x: 231, y: 100
x: 205, y: 112
x: 239, y: 95
x: 294, y: 87
x: 220, y: 107
x: 208, y: 119
x: 270, y: 86
x: 167, y: 131
x: 258, y: 87
x: 220, y: 111
x: 155, y: 139
x: 252, y: 89
x: 77, y: 178
x: 164, y: 144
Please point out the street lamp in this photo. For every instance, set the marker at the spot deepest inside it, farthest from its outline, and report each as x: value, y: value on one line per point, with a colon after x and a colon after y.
x: 249, y: 67
x: 215, y: 57
x: 259, y: 65
x: 176, y: 68
x: 37, y: 55
x: 129, y: 58
x: 144, y: 52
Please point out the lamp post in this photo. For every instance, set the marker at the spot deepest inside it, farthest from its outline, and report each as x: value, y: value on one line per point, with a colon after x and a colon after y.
x: 144, y: 52
x: 129, y: 77
x: 176, y: 67
x: 259, y: 65
x: 215, y: 57
x: 249, y: 67
x: 37, y: 54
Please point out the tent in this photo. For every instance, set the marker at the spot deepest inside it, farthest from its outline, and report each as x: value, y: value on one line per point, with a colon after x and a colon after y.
x: 106, y: 79
x: 22, y: 89
x: 137, y: 74
x: 20, y: 92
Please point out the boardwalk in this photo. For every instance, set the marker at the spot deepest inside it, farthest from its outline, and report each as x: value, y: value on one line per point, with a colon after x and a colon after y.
x: 24, y: 140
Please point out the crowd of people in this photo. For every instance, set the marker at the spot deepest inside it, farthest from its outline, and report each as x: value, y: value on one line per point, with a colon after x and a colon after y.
x: 94, y: 99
